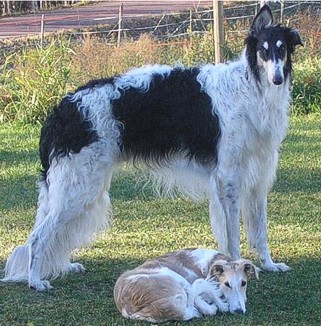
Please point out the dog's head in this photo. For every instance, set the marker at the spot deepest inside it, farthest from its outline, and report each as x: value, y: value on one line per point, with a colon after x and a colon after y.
x: 269, y: 47
x: 233, y: 277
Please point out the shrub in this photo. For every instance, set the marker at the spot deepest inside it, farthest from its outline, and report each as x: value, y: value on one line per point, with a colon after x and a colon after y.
x: 96, y: 59
x: 33, y: 81
x: 306, y: 95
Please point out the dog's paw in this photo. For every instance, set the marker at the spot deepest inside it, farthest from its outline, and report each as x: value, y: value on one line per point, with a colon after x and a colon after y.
x: 222, y: 304
x: 40, y: 285
x: 210, y: 310
x: 77, y: 268
x: 275, y: 267
x: 204, y: 307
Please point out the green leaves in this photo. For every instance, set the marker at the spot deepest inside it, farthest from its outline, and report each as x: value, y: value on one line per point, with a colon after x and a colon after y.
x: 306, y: 95
x: 33, y: 81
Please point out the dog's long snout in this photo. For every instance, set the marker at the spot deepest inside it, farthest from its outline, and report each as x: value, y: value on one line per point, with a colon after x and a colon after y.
x: 277, y: 75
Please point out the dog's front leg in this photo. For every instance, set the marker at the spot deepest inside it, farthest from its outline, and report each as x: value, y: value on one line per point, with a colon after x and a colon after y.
x: 254, y: 213
x: 225, y: 212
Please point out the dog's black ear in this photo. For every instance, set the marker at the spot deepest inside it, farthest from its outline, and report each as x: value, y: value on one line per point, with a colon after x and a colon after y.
x: 295, y: 38
x: 262, y: 19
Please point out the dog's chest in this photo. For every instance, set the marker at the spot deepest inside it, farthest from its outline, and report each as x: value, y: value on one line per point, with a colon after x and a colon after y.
x: 267, y: 125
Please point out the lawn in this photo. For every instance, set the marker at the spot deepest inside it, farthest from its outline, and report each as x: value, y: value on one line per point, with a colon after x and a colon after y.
x: 145, y: 226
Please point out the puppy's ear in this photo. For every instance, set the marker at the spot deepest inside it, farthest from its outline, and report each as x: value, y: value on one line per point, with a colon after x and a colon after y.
x: 250, y: 269
x: 262, y: 19
x: 217, y: 269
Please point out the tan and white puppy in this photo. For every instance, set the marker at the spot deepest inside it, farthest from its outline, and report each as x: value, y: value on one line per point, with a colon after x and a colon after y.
x: 184, y: 284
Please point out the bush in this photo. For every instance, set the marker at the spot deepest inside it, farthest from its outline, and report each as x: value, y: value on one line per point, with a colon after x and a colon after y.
x: 33, y: 81
x: 96, y: 59
x: 306, y: 95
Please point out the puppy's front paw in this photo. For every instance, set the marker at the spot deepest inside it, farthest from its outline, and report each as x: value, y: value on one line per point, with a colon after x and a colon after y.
x: 222, y: 304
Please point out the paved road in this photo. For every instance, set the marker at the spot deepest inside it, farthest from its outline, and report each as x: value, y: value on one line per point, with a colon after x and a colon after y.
x: 85, y: 16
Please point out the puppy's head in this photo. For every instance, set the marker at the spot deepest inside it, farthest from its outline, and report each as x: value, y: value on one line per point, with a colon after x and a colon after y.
x: 233, y: 277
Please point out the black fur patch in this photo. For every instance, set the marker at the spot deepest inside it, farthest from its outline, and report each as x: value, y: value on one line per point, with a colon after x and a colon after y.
x: 65, y: 131
x: 173, y: 116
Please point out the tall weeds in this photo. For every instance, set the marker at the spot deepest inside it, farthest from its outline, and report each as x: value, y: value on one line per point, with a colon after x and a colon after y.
x: 33, y: 81
x: 306, y: 95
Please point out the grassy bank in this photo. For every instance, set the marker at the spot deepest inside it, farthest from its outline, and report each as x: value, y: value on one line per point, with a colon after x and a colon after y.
x: 144, y: 226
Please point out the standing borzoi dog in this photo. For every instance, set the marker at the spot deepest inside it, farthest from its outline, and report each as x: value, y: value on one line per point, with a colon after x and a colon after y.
x: 214, y: 131
x: 184, y: 284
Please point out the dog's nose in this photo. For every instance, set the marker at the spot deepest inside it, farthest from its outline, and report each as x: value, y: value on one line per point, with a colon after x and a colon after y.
x: 238, y: 311
x: 277, y: 80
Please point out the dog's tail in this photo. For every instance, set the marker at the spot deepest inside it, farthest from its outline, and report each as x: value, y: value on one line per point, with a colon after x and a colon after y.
x: 16, y: 269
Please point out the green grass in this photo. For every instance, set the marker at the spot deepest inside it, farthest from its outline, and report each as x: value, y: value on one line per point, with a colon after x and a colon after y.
x: 144, y: 226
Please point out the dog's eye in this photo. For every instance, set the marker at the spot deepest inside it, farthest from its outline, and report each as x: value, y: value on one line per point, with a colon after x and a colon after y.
x: 227, y: 284
x: 282, y: 49
x: 243, y: 283
x: 264, y: 53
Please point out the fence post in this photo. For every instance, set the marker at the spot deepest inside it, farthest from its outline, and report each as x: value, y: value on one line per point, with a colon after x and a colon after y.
x: 262, y: 3
x: 218, y: 31
x: 120, y: 20
x: 42, y: 30
x: 282, y: 2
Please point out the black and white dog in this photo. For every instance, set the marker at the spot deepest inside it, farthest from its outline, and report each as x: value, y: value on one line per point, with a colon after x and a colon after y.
x: 211, y: 131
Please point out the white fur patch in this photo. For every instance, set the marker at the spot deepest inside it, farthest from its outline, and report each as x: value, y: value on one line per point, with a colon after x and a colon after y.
x: 140, y: 78
x: 279, y: 43
x: 266, y: 45
x: 202, y: 258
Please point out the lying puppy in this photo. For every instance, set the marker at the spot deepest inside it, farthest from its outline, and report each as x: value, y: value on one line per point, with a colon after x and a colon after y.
x: 184, y: 284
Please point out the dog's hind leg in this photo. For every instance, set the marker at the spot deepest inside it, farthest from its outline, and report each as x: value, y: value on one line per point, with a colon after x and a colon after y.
x: 77, y: 208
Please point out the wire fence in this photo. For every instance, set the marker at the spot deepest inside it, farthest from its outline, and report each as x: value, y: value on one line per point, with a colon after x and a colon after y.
x: 171, y: 25
x: 177, y: 26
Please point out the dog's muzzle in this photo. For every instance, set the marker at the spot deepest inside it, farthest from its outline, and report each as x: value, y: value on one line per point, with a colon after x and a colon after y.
x: 277, y: 75
x: 277, y: 79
